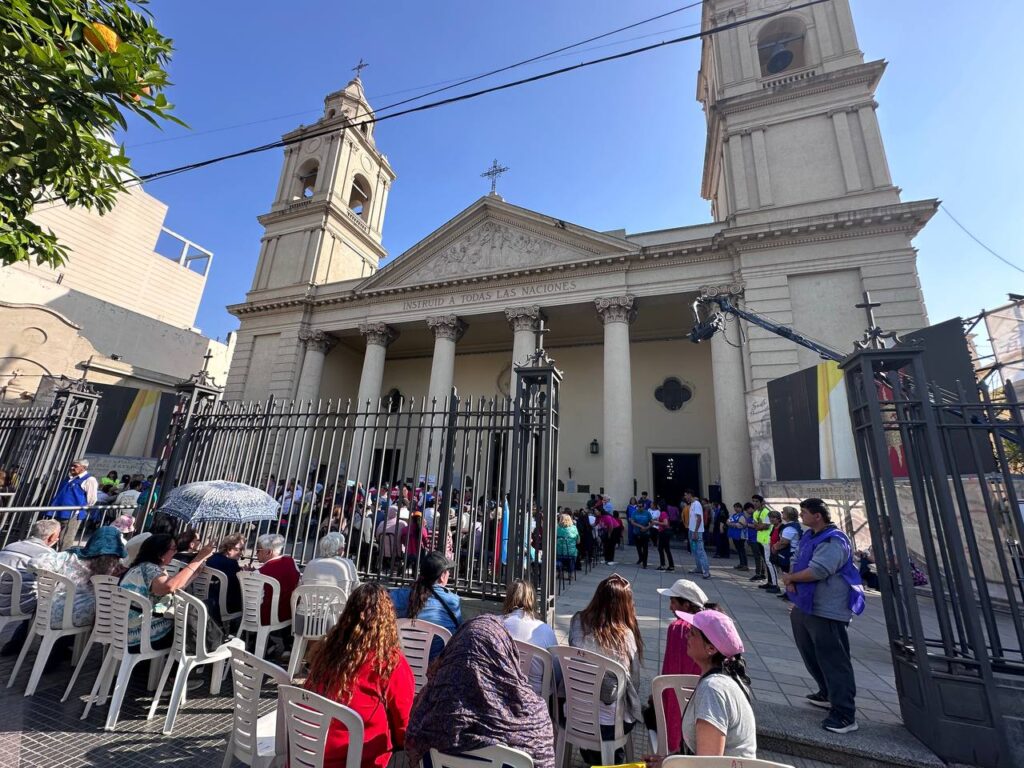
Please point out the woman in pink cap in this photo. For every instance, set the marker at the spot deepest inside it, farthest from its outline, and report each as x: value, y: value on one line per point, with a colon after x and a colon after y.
x: 718, y: 720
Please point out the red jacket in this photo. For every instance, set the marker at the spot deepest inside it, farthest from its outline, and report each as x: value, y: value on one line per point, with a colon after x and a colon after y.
x: 284, y: 570
x: 677, y: 662
x: 384, y: 706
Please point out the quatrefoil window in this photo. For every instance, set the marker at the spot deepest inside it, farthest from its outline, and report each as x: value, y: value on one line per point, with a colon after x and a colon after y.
x: 673, y: 394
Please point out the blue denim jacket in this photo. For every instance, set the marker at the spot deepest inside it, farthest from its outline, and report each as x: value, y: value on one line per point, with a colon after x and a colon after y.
x: 432, y: 611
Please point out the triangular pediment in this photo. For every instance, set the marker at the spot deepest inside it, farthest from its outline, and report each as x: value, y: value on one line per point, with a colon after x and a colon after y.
x: 492, y: 237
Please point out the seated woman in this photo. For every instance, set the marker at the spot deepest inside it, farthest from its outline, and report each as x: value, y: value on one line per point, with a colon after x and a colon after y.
x: 225, y: 560
x: 608, y: 626
x: 476, y: 696
x: 719, y: 720
x: 360, y: 664
x: 521, y: 622
x: 684, y: 596
x: 148, y: 577
x: 428, y: 600
x: 101, y: 556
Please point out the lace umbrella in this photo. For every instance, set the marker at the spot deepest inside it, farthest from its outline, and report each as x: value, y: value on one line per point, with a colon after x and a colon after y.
x: 220, y: 501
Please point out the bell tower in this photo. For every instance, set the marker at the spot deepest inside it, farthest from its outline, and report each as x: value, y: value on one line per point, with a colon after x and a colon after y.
x: 790, y: 109
x: 326, y: 220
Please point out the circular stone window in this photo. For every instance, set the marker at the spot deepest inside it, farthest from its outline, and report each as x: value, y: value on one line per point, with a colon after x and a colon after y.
x: 673, y: 393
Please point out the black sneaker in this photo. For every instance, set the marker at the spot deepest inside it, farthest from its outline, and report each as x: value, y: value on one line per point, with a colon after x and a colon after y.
x: 818, y: 699
x: 670, y: 570
x: 660, y: 568
x: 837, y: 724
x: 755, y: 577
x: 764, y: 586
x: 773, y: 590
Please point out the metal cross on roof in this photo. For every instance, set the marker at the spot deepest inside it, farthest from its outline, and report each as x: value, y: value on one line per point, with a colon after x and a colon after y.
x: 358, y: 68
x: 206, y: 360
x: 493, y: 173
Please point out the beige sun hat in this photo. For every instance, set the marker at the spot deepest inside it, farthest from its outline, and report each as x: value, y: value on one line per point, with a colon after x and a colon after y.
x: 685, y: 589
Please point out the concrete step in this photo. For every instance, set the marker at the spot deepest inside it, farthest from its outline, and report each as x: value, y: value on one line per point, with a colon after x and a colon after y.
x: 782, y: 729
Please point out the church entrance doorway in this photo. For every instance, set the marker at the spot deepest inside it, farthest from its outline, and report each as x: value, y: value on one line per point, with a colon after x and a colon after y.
x: 674, y: 473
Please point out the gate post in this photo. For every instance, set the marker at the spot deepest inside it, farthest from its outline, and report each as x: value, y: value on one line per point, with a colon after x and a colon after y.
x: 535, y: 473
x: 196, y: 394
x: 446, y: 480
x: 955, y: 695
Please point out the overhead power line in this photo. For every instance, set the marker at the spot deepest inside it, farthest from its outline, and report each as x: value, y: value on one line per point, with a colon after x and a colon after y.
x: 476, y: 94
x: 456, y: 82
x: 970, y: 234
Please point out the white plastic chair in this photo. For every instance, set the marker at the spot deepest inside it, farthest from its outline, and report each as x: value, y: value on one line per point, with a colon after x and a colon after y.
x: 252, y: 599
x: 320, y: 606
x: 494, y: 756
x: 582, y: 674
x: 308, y: 718
x: 416, y: 637
x: 200, y: 587
x: 120, y: 661
x: 689, y: 761
x: 260, y: 742
x: 530, y: 658
x: 683, y: 687
x: 174, y: 567
x: 190, y: 618
x: 103, y: 587
x: 17, y: 615
x: 48, y: 586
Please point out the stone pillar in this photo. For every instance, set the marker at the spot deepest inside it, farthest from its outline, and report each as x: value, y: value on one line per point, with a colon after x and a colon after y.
x: 448, y: 329
x: 524, y: 321
x: 378, y: 337
x: 735, y: 469
x: 317, y: 344
x: 616, y: 314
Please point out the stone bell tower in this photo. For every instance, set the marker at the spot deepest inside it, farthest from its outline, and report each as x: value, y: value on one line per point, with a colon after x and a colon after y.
x: 328, y: 213
x: 790, y: 110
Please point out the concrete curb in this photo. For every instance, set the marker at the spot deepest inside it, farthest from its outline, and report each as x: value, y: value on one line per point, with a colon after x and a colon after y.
x: 790, y: 731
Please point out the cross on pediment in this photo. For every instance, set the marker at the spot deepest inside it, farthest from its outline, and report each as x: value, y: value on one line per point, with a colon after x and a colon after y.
x: 493, y: 173
x: 358, y: 68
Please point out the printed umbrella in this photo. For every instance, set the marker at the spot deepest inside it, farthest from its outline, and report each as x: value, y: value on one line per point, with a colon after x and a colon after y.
x: 220, y: 501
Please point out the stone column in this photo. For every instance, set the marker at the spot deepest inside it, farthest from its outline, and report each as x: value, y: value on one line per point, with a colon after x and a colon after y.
x: 735, y: 469
x: 378, y: 337
x: 524, y: 321
x: 616, y: 313
x: 448, y: 329
x: 317, y: 344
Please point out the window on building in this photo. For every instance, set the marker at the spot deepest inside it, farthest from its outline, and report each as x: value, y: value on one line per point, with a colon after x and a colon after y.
x: 307, y: 179
x: 781, y: 46
x: 359, y: 197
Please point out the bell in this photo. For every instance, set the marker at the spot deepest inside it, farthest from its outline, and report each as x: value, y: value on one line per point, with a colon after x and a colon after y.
x: 779, y: 59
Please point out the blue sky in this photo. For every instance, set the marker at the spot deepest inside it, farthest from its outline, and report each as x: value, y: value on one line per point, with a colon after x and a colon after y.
x: 619, y: 145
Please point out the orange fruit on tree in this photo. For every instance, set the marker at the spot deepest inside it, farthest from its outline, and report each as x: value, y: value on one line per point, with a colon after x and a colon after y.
x: 101, y: 37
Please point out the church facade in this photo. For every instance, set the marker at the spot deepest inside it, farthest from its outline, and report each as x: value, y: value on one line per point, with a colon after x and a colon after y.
x: 805, y: 218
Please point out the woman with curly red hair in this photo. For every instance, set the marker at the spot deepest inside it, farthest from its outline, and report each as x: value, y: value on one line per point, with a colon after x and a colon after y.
x: 360, y: 664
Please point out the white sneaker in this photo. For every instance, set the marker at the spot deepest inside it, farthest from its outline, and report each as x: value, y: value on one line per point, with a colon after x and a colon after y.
x: 609, y: 562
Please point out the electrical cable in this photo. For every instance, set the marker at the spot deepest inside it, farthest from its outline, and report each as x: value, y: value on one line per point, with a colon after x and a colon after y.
x: 968, y: 232
x: 455, y: 83
x: 475, y: 94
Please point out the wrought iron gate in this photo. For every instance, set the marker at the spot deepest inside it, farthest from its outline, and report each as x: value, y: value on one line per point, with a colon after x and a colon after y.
x: 486, y: 464
x: 942, y: 477
x: 39, y: 442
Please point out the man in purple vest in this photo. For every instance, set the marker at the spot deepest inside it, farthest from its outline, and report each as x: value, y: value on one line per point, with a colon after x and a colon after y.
x: 78, y: 489
x: 826, y: 591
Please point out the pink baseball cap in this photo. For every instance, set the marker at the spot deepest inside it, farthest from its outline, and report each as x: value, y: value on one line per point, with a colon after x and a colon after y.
x: 718, y: 628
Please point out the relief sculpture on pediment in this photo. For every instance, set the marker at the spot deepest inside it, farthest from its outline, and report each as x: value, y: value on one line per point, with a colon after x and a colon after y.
x: 492, y: 247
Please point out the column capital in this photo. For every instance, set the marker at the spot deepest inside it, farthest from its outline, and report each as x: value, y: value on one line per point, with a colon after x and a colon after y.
x: 316, y: 340
x: 447, y: 326
x: 380, y: 334
x: 524, y: 318
x: 728, y: 290
x: 616, y: 309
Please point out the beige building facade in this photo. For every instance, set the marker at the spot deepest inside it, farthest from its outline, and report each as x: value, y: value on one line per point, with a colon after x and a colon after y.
x: 805, y: 218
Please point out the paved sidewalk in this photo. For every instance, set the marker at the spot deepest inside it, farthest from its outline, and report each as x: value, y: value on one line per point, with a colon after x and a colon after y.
x: 778, y: 675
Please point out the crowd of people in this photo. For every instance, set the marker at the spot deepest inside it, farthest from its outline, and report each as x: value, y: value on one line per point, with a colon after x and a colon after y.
x: 476, y: 694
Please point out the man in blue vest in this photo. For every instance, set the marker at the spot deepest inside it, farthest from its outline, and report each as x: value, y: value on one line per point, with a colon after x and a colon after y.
x: 826, y: 591
x: 78, y: 489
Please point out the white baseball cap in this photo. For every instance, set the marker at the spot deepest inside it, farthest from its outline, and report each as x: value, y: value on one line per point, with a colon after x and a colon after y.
x: 685, y: 589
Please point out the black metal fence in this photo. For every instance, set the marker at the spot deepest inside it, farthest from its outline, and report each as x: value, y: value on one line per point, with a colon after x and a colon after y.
x: 942, y: 481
